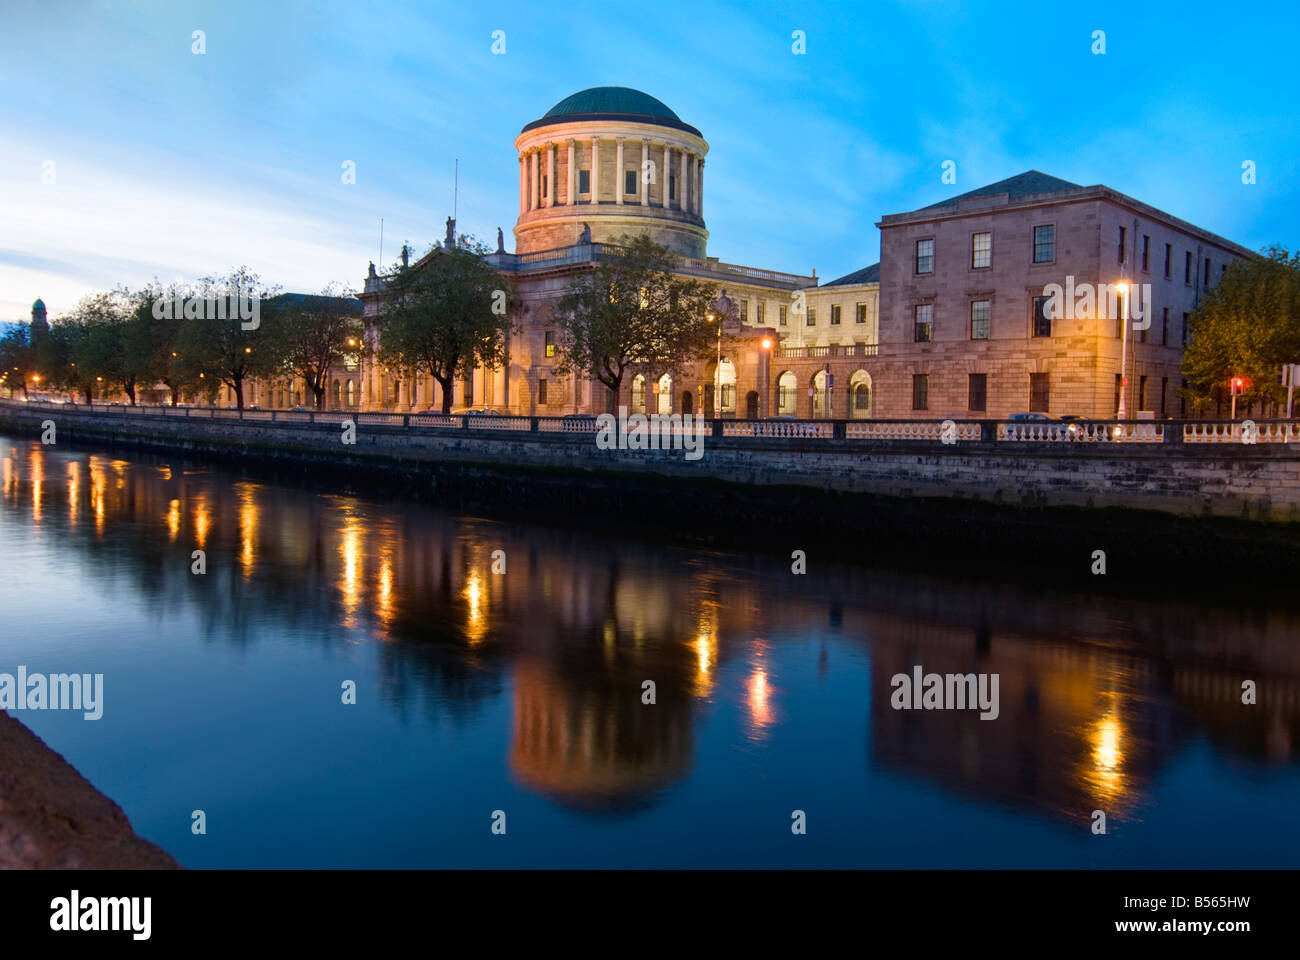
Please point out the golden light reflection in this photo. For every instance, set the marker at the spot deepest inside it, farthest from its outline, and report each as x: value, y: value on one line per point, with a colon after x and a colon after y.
x: 248, y: 518
x: 174, y: 519
x: 760, y: 707
x: 9, y: 479
x: 706, y: 656
x: 475, y: 598
x: 37, y: 465
x: 98, y: 486
x: 350, y: 574
x: 74, y: 491
x: 201, y: 516
x: 384, y: 599
x: 1105, y: 775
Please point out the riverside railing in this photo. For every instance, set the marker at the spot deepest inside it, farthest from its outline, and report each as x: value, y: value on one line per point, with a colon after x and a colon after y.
x: 947, y: 431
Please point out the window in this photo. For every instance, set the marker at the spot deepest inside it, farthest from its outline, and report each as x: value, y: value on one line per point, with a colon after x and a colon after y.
x: 981, y: 251
x: 924, y: 322
x: 977, y: 392
x: 584, y: 181
x: 672, y: 186
x: 979, y: 320
x: 469, y: 389
x: 1169, y: 259
x: 542, y: 176
x: 744, y: 311
x: 925, y: 256
x: 1146, y: 254
x: 1142, y: 392
x: 920, y: 391
x: 1122, y: 235
x: 835, y: 314
x: 1164, y: 389
x: 1045, y: 243
x: 761, y: 312
x: 812, y: 317
x: 1182, y: 401
x: 1223, y: 271
x: 1119, y: 382
x: 1207, y: 273
x: 1187, y: 268
x: 550, y: 344
x: 1184, y: 329
x: 1164, y: 328
x: 861, y: 313
x: 541, y: 392
x: 629, y: 183
x: 782, y: 315
x: 1039, y: 392
x: 1042, y: 322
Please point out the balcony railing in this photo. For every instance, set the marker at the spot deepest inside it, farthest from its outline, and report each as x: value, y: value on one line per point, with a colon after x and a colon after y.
x: 831, y: 350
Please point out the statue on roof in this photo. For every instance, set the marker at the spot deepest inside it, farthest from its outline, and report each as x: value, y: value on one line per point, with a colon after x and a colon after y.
x: 451, y: 233
x: 585, y: 236
x: 501, y: 241
x: 372, y: 269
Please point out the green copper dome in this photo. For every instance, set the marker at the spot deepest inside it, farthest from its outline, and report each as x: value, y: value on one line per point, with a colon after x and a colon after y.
x: 612, y: 103
x: 38, y: 305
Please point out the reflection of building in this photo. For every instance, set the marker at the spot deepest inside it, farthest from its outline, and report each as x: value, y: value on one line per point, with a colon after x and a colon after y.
x: 595, y: 745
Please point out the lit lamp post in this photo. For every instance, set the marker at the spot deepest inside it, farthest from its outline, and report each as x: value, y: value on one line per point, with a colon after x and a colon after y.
x: 1122, y: 287
x: 765, y: 362
x: 723, y: 309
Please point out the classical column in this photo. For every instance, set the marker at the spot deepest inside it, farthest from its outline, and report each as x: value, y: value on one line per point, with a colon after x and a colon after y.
x: 535, y: 180
x: 551, y: 198
x: 572, y: 196
x: 699, y: 186
x: 667, y: 174
x: 619, y: 175
x: 595, y: 170
x: 684, y: 195
x: 642, y: 183
x: 523, y: 187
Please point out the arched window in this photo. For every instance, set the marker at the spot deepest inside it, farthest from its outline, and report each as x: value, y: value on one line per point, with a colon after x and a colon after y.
x: 787, y: 395
x: 638, y: 394
x: 860, y: 395
x: 665, y: 394
x: 725, y: 386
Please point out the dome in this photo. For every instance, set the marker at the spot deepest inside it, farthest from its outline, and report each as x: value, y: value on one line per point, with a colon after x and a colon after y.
x: 612, y: 103
x: 39, y: 304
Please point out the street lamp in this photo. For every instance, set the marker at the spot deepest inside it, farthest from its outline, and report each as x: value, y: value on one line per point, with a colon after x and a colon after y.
x: 1122, y: 287
x: 722, y: 310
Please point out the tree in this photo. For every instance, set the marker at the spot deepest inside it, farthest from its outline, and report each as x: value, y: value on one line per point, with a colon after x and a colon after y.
x: 632, y: 310
x: 17, y: 359
x: 151, y: 340
x: 1247, y: 326
x: 447, y: 311
x: 95, y: 343
x: 218, y: 350
x: 312, y: 334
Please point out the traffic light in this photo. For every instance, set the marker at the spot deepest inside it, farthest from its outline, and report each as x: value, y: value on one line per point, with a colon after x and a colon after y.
x: 1238, y: 385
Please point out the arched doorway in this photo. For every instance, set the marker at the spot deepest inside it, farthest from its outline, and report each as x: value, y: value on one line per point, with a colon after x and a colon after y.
x: 819, y: 394
x: 860, y: 395
x: 665, y: 394
x: 787, y: 395
x: 751, y: 405
x: 638, y: 394
x: 724, y: 379
x: 688, y: 404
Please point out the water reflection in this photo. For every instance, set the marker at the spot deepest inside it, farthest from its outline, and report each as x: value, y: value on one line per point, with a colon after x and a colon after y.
x: 1098, y: 694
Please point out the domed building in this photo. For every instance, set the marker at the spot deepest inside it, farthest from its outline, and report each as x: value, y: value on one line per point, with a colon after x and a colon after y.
x: 606, y: 162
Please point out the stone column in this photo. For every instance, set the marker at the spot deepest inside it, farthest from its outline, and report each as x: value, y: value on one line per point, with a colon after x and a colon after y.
x: 523, y: 186
x: 551, y: 153
x: 572, y: 196
x: 684, y: 196
x: 699, y: 186
x: 667, y: 174
x: 619, y: 175
x: 642, y: 185
x: 535, y: 179
x: 595, y: 170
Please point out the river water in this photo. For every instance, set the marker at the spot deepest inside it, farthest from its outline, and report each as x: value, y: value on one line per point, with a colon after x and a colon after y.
x: 517, y: 698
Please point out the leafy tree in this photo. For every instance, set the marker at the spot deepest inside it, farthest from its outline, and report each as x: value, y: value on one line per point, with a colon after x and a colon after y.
x: 445, y: 312
x: 219, y: 350
x: 94, y: 340
x: 1247, y: 326
x: 17, y: 359
x: 633, y: 310
x: 311, y: 335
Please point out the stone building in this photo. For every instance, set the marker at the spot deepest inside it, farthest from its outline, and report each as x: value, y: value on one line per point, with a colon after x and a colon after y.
x: 967, y: 323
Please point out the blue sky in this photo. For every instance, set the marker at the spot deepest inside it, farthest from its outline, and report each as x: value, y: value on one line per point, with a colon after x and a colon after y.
x: 170, y: 164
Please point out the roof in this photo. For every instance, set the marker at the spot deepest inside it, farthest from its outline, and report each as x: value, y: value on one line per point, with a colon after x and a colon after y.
x: 1023, y: 185
x: 869, y: 274
x: 39, y: 304
x: 313, y: 301
x: 612, y: 103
